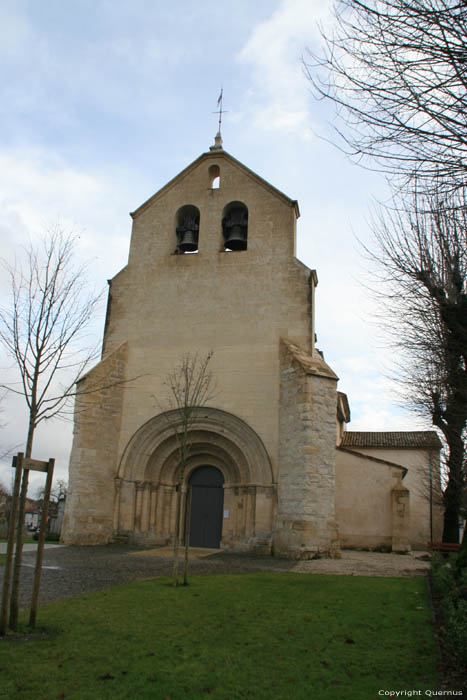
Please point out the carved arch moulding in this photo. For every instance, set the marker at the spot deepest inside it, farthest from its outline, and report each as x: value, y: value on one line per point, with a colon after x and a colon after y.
x: 217, y: 438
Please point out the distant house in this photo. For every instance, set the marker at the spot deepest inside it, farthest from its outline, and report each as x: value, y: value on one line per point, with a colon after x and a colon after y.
x: 32, y: 514
x: 56, y: 513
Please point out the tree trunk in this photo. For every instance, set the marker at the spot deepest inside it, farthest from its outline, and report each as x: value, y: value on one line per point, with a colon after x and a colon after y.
x: 187, y: 534
x: 14, y: 604
x: 177, y: 534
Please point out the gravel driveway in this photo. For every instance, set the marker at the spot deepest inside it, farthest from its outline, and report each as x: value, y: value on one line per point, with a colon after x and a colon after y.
x: 71, y: 571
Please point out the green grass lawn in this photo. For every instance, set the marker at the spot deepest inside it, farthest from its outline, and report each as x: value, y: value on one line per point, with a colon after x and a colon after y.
x: 290, y: 636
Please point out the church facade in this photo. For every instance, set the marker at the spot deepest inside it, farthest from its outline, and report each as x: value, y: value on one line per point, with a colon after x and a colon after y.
x: 273, y: 469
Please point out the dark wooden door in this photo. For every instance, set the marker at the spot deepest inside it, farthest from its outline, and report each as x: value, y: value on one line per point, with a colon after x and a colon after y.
x: 207, y: 503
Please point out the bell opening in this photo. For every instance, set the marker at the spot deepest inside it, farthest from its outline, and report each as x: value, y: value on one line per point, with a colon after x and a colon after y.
x: 235, y: 226
x: 187, y: 229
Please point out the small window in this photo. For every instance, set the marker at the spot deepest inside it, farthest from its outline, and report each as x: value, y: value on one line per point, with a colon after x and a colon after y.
x: 214, y: 177
x: 235, y: 226
x: 187, y: 229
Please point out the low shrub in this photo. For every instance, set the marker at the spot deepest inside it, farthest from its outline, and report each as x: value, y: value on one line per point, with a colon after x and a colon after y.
x: 51, y: 537
x: 449, y: 587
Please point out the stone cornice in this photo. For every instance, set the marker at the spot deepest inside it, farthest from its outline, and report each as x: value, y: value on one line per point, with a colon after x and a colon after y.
x: 315, y: 366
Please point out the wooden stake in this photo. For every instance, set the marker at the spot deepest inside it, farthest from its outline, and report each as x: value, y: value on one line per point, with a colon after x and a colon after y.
x: 40, y: 546
x: 16, y: 463
x: 14, y: 602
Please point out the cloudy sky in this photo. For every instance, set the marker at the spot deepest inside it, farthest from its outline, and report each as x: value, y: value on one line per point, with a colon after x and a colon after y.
x: 104, y: 101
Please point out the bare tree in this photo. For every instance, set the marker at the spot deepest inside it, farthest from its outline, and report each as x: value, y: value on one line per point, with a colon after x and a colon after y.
x: 44, y: 329
x: 5, y: 452
x: 57, y: 493
x: 190, y: 385
x: 396, y: 70
x: 44, y: 332
x: 421, y: 272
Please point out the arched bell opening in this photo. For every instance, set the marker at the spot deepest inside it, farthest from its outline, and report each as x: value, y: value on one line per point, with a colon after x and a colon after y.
x: 235, y: 226
x: 187, y: 229
x: 214, y: 173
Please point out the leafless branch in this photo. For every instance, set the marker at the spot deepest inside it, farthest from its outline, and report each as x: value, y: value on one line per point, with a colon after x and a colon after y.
x: 419, y: 268
x: 189, y: 386
x: 396, y: 72
x: 45, y: 327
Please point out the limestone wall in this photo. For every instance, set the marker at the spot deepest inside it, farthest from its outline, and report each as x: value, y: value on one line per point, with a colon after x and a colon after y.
x: 305, y: 523
x: 364, y: 500
x: 91, y: 494
x: 417, y: 481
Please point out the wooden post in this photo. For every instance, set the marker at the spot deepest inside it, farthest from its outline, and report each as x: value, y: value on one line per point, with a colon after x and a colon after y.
x: 187, y: 535
x: 16, y: 463
x: 14, y: 602
x: 22, y: 466
x: 40, y: 546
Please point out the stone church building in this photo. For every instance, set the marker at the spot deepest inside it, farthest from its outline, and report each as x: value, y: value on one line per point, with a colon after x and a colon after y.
x: 273, y: 468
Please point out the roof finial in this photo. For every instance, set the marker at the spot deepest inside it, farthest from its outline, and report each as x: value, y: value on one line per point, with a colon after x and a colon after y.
x: 218, y: 139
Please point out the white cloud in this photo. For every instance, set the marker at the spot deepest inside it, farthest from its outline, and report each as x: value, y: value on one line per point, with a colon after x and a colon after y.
x: 279, y: 99
x: 378, y: 416
x: 40, y: 189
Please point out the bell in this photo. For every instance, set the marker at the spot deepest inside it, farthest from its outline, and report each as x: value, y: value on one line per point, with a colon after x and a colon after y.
x: 236, y: 238
x: 235, y: 226
x: 188, y: 242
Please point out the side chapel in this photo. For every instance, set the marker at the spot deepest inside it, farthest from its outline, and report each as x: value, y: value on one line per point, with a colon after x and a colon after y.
x: 272, y: 466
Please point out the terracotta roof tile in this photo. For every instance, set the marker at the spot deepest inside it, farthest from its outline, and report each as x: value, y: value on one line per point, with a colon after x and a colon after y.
x: 417, y: 439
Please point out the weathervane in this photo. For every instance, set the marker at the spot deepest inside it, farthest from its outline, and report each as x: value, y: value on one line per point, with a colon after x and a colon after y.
x: 220, y: 111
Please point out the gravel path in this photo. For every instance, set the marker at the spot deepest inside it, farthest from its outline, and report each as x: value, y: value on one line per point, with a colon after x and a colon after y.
x: 71, y: 571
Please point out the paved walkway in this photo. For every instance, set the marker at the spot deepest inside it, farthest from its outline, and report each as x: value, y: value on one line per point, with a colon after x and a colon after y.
x: 29, y: 547
x: 71, y: 571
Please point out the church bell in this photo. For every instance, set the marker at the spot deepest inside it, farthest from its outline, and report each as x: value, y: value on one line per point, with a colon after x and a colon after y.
x: 235, y: 229
x: 188, y: 234
x: 188, y: 242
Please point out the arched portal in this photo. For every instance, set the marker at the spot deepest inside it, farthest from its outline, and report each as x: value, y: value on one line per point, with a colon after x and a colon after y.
x: 207, y: 501
x: 149, y: 471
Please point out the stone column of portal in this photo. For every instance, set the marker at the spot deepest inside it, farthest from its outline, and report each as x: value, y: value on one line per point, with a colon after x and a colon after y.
x: 166, y: 496
x: 305, y: 520
x: 250, y: 506
x: 153, y: 508
x: 145, y: 507
x: 139, y: 486
x: 229, y: 506
x: 118, y: 490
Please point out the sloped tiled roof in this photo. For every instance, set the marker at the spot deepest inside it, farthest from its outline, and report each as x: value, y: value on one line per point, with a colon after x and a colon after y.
x: 416, y: 439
